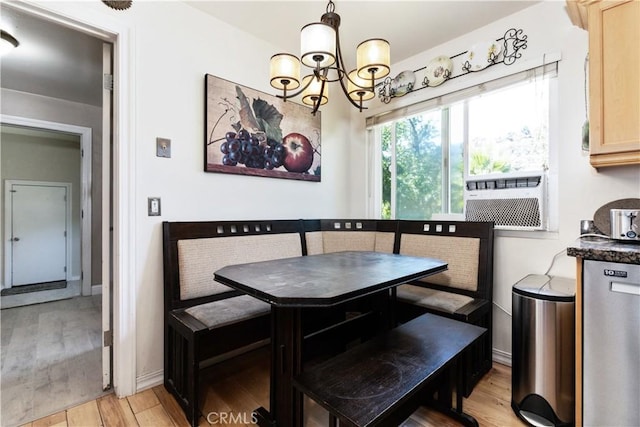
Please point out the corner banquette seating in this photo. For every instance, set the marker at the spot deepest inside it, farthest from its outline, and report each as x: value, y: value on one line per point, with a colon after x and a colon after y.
x: 205, y: 319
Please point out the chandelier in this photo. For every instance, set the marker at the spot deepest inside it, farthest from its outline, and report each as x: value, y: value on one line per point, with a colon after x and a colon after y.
x: 320, y: 51
x: 7, y: 42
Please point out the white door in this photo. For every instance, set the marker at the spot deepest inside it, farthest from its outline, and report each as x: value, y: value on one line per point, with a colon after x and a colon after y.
x: 38, y: 233
x: 107, y: 226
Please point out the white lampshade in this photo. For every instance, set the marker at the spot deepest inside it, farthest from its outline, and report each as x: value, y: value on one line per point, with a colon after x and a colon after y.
x: 373, y: 54
x: 359, y: 88
x: 284, y: 70
x: 317, y: 40
x: 312, y: 92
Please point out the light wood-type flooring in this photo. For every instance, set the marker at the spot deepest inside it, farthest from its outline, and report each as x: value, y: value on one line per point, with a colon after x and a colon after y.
x: 235, y: 387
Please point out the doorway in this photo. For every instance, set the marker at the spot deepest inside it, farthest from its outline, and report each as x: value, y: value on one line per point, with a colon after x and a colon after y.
x: 38, y: 150
x: 52, y: 341
x: 82, y: 317
x: 122, y: 200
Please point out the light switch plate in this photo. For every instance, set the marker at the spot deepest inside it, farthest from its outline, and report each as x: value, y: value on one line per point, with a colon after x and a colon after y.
x: 153, y: 205
x: 163, y: 147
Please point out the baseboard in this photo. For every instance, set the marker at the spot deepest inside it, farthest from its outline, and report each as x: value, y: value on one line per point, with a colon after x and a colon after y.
x: 96, y: 289
x: 149, y: 380
x: 501, y: 357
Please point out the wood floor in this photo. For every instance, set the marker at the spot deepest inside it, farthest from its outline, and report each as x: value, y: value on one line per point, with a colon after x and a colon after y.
x: 235, y: 387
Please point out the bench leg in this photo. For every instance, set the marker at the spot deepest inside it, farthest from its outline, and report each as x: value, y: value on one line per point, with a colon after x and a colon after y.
x: 445, y: 397
x: 193, y: 381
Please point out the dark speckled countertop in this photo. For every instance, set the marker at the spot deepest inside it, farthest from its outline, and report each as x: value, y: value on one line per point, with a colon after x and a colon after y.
x: 599, y: 249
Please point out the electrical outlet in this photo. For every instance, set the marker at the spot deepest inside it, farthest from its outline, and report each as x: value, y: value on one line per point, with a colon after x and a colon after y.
x: 153, y: 205
x: 163, y: 147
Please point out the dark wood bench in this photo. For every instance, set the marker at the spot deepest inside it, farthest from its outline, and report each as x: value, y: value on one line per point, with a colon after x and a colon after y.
x: 464, y: 292
x: 382, y: 381
x: 203, y: 318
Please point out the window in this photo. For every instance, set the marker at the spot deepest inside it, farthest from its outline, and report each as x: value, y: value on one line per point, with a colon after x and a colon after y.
x: 509, y: 129
x: 426, y: 152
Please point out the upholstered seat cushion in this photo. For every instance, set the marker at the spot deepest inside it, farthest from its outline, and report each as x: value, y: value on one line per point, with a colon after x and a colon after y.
x: 230, y: 310
x: 444, y: 301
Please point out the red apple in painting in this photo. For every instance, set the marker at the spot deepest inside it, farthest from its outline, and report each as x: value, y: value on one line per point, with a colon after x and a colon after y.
x: 299, y: 155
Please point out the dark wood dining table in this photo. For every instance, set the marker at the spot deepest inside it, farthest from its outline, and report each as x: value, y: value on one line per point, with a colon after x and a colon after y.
x: 292, y: 284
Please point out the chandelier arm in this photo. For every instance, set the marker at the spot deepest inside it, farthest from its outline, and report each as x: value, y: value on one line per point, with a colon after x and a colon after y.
x: 342, y: 73
x: 293, y: 95
x: 318, y: 100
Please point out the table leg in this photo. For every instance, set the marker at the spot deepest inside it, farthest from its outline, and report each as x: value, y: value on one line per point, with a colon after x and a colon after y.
x: 286, y: 362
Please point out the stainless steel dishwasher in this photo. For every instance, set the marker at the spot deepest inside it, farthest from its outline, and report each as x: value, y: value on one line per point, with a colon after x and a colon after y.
x: 611, y: 344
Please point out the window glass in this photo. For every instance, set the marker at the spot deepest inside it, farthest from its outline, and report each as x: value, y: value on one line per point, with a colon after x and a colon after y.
x: 426, y: 157
x: 456, y: 158
x: 387, y: 162
x: 508, y: 129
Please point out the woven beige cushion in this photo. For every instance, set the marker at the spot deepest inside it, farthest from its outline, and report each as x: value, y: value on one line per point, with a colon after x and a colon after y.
x: 338, y: 241
x: 461, y: 253
x: 198, y: 259
x: 384, y: 241
x: 314, y: 242
x: 229, y: 310
x: 447, y: 302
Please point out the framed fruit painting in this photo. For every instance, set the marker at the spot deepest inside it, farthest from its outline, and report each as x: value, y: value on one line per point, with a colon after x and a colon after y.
x: 249, y: 132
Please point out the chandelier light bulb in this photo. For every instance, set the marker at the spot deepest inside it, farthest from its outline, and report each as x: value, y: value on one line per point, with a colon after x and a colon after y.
x: 284, y: 70
x: 311, y: 94
x: 373, y: 58
x: 318, y: 45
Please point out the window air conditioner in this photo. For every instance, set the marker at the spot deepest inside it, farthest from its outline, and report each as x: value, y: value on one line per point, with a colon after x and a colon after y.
x: 513, y: 201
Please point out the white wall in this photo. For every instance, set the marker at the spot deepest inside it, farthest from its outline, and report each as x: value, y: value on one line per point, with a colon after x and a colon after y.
x: 173, y: 46
x: 582, y: 189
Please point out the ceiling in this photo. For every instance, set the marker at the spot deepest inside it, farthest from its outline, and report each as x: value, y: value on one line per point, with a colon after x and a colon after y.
x: 51, y: 60
x: 59, y: 62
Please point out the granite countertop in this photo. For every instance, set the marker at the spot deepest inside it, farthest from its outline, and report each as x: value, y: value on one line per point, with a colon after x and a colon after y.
x: 600, y: 249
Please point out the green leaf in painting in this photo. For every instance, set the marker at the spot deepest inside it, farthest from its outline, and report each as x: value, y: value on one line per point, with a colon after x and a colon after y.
x: 268, y: 118
x: 247, y: 119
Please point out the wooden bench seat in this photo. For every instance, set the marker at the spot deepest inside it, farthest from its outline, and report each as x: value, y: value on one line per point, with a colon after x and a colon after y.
x: 384, y: 380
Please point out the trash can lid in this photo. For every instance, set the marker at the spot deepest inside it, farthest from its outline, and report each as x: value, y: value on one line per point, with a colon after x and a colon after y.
x: 542, y: 286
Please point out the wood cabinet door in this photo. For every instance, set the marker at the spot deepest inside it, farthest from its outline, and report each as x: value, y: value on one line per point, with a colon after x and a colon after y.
x: 614, y: 58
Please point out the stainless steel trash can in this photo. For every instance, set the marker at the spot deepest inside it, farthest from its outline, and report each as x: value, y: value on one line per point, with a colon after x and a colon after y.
x: 543, y: 350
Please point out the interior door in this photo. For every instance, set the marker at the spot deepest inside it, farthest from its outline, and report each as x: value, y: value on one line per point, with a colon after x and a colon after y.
x: 107, y: 226
x: 38, y: 235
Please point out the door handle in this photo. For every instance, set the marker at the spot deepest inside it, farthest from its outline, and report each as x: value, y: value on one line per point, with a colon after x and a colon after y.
x: 16, y: 239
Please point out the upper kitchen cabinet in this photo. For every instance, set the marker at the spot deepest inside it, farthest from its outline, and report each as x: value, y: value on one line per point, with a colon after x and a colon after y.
x: 614, y: 82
